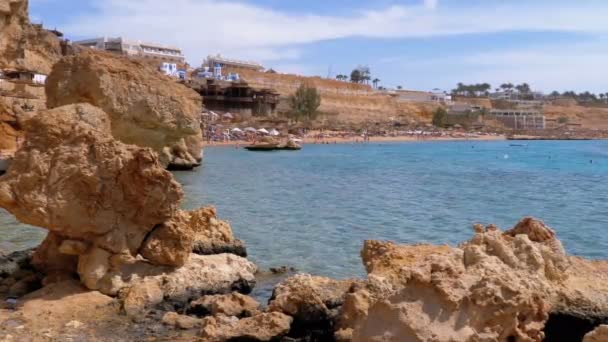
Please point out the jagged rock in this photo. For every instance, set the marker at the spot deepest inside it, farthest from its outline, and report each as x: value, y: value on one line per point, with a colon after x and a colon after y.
x: 15, y: 262
x: 146, y: 108
x: 495, y: 287
x: 170, y: 243
x: 262, y: 327
x: 24, y: 46
x: 72, y: 178
x: 598, y: 335
x: 141, y: 297
x: 213, y: 236
x: 201, y: 275
x: 50, y: 259
x: 209, y: 274
x: 313, y: 302
x: 234, y: 304
x: 180, y: 321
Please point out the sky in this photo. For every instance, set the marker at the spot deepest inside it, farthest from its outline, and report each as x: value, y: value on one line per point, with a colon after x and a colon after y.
x: 417, y: 44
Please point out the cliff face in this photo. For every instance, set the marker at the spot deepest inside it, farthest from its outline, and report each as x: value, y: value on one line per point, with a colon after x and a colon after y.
x: 25, y: 46
x: 146, y: 108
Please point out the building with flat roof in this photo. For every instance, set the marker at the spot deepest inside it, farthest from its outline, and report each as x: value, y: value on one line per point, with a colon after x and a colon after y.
x: 135, y: 48
x: 227, y: 63
x: 423, y: 96
x: 520, y: 118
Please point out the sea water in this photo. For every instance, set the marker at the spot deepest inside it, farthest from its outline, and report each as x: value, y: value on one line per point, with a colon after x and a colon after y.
x: 313, y: 209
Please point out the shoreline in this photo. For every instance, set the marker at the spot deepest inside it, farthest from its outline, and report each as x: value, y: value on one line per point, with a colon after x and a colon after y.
x: 359, y: 140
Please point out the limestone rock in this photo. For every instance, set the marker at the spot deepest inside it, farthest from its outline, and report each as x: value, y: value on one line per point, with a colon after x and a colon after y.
x: 180, y: 321
x: 72, y: 178
x: 211, y: 274
x: 23, y: 45
x: 146, y: 108
x: 234, y: 304
x: 170, y: 243
x: 53, y: 307
x: 141, y: 297
x: 495, y: 287
x: 201, y: 275
x: 262, y: 327
x: 598, y: 335
x: 16, y: 262
x: 49, y: 258
x: 212, y: 235
x: 313, y: 302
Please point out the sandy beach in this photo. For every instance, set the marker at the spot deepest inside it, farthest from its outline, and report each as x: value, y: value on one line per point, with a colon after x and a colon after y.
x: 359, y: 140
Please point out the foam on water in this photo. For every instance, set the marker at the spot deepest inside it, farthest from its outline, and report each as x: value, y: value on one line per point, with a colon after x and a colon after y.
x: 314, y: 208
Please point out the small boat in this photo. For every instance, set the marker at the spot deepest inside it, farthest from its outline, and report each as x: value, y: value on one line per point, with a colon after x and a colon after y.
x: 274, y: 146
x: 263, y: 147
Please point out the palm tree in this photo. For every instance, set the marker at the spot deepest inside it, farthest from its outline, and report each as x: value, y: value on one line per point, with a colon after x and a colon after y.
x: 375, y: 82
x: 355, y: 76
x: 399, y: 87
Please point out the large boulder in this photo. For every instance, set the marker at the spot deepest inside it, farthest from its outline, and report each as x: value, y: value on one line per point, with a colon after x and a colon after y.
x: 212, y: 235
x: 146, y: 108
x: 313, y: 302
x: 143, y: 285
x: 498, y: 286
x: 98, y: 197
x: 23, y: 45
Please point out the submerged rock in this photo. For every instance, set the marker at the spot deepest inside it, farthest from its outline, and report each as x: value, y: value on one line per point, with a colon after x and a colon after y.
x: 145, y: 107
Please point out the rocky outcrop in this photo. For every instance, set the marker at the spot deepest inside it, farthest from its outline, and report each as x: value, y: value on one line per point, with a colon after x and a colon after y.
x: 313, y: 302
x: 498, y: 286
x: 24, y: 46
x: 180, y: 321
x: 112, y: 213
x: 262, y: 327
x: 598, y: 335
x: 72, y: 178
x: 146, y: 108
x: 212, y: 235
x: 234, y: 304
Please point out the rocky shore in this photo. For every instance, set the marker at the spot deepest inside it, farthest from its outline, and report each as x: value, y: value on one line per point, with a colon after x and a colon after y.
x: 122, y: 262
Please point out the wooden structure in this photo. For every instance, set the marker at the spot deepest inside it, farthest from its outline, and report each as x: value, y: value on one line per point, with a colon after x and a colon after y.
x: 237, y: 97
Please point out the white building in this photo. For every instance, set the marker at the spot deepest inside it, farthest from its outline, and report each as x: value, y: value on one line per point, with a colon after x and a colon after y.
x: 223, y: 62
x: 135, y: 48
x: 423, y: 96
x: 520, y: 118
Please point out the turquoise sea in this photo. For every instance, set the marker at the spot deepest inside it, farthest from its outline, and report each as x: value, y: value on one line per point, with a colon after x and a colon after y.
x: 313, y: 209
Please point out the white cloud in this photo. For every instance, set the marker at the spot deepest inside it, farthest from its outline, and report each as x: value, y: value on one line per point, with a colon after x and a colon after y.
x: 564, y: 66
x: 431, y: 4
x: 202, y: 27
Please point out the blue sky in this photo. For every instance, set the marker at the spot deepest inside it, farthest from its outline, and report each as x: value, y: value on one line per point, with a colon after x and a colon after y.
x: 418, y: 44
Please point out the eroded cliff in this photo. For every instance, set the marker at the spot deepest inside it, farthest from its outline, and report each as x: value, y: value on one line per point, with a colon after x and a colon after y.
x: 145, y: 108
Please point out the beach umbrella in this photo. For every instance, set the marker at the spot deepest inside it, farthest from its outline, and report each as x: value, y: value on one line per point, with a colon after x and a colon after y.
x: 236, y: 130
x: 274, y: 133
x: 228, y: 116
x: 263, y: 131
x: 250, y: 129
